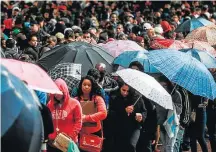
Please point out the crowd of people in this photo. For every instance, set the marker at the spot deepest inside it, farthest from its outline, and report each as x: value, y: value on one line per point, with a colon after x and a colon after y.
x: 128, y: 121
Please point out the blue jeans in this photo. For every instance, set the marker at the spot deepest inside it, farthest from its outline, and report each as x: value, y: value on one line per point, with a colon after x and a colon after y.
x: 197, y: 130
x: 167, y: 142
x: 179, y: 139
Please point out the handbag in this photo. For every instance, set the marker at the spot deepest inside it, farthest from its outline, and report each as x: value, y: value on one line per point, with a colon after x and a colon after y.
x: 62, y: 141
x: 91, y: 142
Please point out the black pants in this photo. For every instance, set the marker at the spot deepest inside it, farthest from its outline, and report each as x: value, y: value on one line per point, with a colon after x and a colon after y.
x: 144, y: 142
x: 127, y: 141
x: 197, y: 131
x: 211, y: 124
x: 52, y: 149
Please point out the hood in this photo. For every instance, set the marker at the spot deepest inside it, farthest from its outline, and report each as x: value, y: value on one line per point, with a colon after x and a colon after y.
x: 8, y: 23
x: 61, y: 84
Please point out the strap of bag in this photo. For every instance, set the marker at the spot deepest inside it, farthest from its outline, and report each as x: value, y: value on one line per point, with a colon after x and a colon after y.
x: 100, y: 121
x: 57, y: 129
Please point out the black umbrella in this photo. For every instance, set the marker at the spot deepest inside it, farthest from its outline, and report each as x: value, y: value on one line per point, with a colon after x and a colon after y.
x: 77, y: 52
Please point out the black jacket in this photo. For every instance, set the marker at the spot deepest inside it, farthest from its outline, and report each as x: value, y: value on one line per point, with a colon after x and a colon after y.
x: 122, y: 121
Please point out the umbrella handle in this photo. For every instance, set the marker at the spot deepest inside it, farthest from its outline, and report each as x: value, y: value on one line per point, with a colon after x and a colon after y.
x: 173, y: 89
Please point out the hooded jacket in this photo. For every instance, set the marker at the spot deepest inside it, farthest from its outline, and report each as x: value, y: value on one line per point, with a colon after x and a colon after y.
x: 67, y: 117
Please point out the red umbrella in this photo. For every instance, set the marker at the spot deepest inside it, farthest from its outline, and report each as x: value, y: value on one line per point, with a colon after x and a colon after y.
x: 33, y: 75
x: 200, y: 45
x: 167, y: 44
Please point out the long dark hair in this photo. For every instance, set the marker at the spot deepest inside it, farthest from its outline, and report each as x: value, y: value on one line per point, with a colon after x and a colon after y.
x: 131, y: 93
x: 95, y: 90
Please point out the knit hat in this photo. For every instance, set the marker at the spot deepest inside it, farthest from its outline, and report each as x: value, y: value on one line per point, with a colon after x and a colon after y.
x: 158, y: 30
x: 139, y: 39
x: 166, y: 26
x: 59, y: 35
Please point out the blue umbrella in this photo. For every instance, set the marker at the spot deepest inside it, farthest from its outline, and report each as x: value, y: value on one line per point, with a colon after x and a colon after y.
x: 21, y: 123
x: 206, y: 58
x: 190, y: 25
x: 184, y: 70
x: 125, y: 58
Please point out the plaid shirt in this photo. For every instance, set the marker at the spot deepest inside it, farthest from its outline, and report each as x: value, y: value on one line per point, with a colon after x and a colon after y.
x: 68, y: 73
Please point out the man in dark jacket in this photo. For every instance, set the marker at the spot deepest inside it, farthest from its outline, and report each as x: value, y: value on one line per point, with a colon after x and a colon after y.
x: 32, y: 49
x: 36, y: 30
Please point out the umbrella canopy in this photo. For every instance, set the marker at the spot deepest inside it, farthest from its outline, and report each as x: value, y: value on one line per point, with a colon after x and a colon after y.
x: 184, y: 70
x: 205, y: 33
x: 77, y: 52
x: 117, y: 47
x: 190, y: 25
x: 21, y: 122
x: 207, y: 59
x: 69, y: 72
x: 33, y: 75
x: 200, y: 45
x: 147, y: 86
x: 127, y: 57
x: 167, y: 44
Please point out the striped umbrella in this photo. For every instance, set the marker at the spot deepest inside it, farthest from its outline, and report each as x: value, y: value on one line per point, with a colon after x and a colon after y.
x: 184, y: 70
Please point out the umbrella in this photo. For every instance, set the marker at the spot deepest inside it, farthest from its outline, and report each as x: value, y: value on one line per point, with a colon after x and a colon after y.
x: 127, y: 57
x: 117, y: 47
x: 190, y: 25
x: 167, y: 44
x: 147, y: 86
x: 77, y: 52
x: 205, y: 33
x: 184, y: 70
x: 69, y: 72
x: 21, y: 122
x: 200, y: 45
x: 207, y: 59
x: 33, y: 75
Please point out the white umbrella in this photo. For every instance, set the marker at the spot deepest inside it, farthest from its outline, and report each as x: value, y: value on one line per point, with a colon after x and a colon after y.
x: 147, y: 86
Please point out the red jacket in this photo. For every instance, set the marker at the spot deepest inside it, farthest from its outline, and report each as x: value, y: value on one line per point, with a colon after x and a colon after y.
x: 69, y: 114
x: 96, y: 117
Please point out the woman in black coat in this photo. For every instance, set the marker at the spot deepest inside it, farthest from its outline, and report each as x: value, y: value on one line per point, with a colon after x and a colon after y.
x: 128, y: 111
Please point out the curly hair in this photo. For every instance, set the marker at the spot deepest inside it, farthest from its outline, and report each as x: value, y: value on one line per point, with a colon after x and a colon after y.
x: 95, y: 90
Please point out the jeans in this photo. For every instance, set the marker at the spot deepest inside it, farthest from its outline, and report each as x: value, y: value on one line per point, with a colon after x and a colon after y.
x: 197, y: 130
x: 168, y: 142
x: 179, y: 140
x: 186, y: 140
x: 211, y: 124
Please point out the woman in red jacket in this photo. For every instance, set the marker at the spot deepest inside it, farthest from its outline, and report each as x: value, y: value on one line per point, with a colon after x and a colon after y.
x: 89, y: 91
x: 66, y: 114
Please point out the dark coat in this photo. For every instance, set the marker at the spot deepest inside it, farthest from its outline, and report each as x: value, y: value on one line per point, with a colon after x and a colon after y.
x: 122, y: 122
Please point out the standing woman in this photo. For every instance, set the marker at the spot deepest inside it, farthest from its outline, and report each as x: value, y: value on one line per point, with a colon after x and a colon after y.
x: 128, y: 111
x: 66, y: 115
x: 88, y: 91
